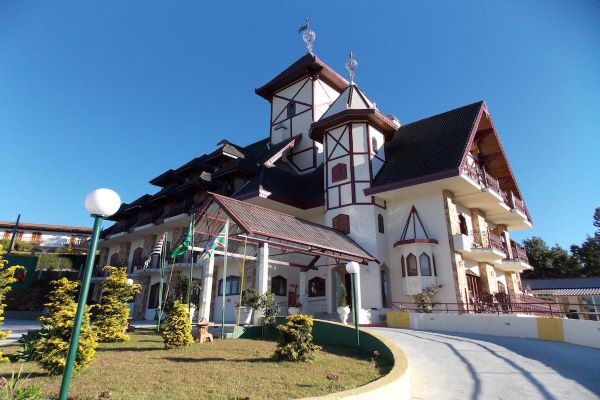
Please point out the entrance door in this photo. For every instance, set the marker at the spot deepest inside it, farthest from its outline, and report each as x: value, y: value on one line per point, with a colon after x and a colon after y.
x: 348, y: 284
x: 474, y: 285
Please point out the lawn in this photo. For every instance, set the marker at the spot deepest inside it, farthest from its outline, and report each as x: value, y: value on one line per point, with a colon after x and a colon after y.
x: 226, y: 369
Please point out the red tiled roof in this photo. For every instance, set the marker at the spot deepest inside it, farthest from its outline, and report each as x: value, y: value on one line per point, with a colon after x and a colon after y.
x: 274, y: 224
x: 46, y: 227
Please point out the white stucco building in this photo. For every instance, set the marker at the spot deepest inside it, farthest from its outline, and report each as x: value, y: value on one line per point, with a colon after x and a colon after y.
x: 335, y: 179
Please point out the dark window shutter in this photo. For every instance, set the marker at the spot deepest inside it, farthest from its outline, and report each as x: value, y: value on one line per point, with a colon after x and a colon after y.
x: 341, y: 223
x: 339, y: 172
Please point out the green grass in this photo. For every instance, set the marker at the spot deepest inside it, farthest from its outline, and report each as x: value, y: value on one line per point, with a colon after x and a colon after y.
x: 226, y: 369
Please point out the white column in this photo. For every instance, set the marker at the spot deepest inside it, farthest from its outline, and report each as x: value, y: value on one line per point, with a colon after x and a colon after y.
x: 262, y: 263
x: 303, y: 290
x: 207, y: 283
x: 330, y: 290
x: 361, y: 317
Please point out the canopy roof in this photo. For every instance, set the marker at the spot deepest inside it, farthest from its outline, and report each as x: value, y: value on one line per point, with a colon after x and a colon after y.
x: 292, y: 240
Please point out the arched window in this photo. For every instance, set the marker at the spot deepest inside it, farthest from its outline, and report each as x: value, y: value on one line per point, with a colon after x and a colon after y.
x: 279, y: 286
x: 374, y: 144
x: 291, y: 109
x: 339, y: 172
x: 316, y: 287
x: 403, y: 266
x: 464, y: 229
x: 411, y: 265
x: 232, y: 285
x: 425, y: 264
x: 153, y: 297
x: 341, y: 223
x: 380, y: 224
x: 114, y: 260
x: 138, y: 255
x: 385, y: 285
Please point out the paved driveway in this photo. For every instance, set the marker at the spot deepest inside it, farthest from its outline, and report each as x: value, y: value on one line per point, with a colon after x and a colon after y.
x: 467, y: 366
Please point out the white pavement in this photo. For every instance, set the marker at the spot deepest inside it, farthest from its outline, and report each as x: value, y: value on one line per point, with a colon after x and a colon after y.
x: 466, y: 366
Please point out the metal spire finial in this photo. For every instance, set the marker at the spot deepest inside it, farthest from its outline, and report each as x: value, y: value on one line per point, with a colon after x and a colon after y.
x: 308, y: 35
x: 351, y: 65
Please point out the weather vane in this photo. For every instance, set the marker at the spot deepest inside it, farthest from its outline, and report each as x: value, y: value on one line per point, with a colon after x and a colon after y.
x: 351, y: 65
x: 308, y: 35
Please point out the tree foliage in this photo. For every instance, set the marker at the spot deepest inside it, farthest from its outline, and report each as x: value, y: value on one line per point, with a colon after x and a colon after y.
x: 112, y: 313
x: 7, y: 278
x: 177, y: 331
x: 295, y: 341
x: 588, y: 254
x: 52, y: 347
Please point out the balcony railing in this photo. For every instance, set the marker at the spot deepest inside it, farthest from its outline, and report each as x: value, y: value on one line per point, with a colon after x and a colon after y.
x: 518, y: 253
x: 478, y: 174
x: 488, y: 239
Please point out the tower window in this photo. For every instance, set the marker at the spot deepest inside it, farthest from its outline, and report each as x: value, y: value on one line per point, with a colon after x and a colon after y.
x: 339, y: 172
x: 291, y: 109
x: 341, y: 223
x: 411, y: 265
x: 380, y: 225
x: 425, y: 265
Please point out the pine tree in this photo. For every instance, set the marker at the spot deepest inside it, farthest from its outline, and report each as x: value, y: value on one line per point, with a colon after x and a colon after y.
x: 178, y: 329
x: 113, y: 310
x: 52, y: 347
x: 7, y: 278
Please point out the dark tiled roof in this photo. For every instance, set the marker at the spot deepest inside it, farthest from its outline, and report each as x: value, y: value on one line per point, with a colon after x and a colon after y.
x: 427, y: 147
x: 308, y: 64
x: 563, y: 283
x: 256, y: 220
x: 286, y: 186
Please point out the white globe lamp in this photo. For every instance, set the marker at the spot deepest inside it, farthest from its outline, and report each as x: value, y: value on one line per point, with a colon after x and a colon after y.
x: 352, y: 267
x: 102, y: 202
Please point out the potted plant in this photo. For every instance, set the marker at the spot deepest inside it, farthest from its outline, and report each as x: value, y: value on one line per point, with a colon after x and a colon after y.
x: 250, y: 301
x: 294, y: 309
x: 343, y: 310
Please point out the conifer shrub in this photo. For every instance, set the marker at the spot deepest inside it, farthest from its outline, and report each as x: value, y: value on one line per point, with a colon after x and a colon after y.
x: 53, y: 345
x: 7, y: 278
x: 295, y: 341
x: 112, y: 313
x: 177, y: 331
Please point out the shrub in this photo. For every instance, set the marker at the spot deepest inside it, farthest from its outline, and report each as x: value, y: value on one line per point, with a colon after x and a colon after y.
x: 27, y: 342
x: 178, y: 329
x: 52, y: 347
x: 268, y: 305
x: 251, y: 298
x: 19, y: 388
x: 7, y: 278
x: 424, y: 299
x: 343, y: 295
x: 112, y: 314
x: 295, y: 341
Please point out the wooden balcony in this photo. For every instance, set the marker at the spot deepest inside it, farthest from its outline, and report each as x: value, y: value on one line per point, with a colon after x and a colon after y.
x: 483, y: 246
x: 481, y: 190
x: 518, y: 262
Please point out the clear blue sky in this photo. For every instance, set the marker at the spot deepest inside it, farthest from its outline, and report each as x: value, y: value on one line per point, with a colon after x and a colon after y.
x: 112, y: 93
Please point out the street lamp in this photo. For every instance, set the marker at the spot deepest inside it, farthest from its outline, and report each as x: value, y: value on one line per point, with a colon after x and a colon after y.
x: 352, y: 268
x: 100, y: 203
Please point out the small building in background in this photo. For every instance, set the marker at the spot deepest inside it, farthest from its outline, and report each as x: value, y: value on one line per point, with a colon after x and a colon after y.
x: 43, y: 238
x: 579, y: 298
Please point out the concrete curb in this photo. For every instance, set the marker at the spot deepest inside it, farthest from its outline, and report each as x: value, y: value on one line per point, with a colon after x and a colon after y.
x: 394, y: 385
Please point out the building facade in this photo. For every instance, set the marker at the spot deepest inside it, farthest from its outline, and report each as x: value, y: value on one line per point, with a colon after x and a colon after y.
x: 431, y: 202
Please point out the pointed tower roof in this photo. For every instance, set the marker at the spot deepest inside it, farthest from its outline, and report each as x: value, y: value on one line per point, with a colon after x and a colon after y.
x: 352, y: 105
x: 414, y: 231
x: 307, y: 65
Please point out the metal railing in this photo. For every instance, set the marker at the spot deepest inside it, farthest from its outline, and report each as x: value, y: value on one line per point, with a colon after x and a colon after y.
x: 518, y: 253
x: 487, y: 239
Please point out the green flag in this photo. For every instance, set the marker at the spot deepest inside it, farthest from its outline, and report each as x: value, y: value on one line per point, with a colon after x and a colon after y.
x: 186, y: 244
x: 218, y: 241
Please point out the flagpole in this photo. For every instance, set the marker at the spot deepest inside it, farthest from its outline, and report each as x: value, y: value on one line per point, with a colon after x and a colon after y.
x: 161, y: 265
x: 189, y: 293
x: 224, y: 279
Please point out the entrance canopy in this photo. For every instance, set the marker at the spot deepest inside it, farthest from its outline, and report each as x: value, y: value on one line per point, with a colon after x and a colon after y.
x: 291, y: 240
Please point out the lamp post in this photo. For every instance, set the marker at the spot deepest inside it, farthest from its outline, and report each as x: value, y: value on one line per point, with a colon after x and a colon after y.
x: 100, y: 203
x: 352, y: 268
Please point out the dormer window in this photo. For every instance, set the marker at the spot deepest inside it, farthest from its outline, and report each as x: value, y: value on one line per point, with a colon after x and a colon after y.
x: 291, y: 109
